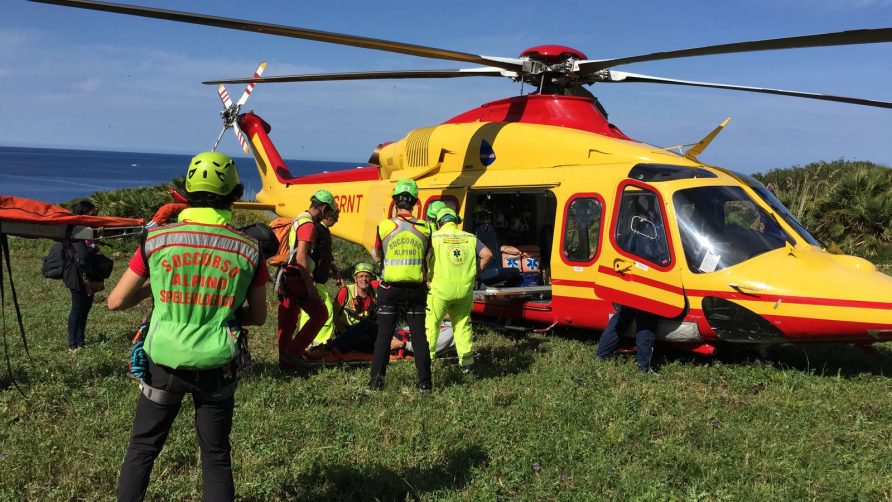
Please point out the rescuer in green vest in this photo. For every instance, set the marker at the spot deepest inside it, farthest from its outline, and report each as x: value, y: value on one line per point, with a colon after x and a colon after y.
x: 324, y: 270
x: 454, y: 268
x: 402, y: 244
x: 206, y: 280
x: 356, y: 302
x: 296, y: 285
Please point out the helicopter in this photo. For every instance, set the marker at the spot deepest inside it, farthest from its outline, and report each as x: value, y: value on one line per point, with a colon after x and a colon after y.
x: 582, y: 214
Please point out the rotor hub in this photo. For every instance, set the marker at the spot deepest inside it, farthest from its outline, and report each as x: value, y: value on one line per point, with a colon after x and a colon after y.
x: 552, y: 54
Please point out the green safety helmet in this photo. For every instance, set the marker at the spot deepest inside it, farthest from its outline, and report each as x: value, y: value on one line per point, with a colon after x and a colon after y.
x: 363, y: 267
x: 213, y: 172
x: 434, y: 209
x: 406, y: 185
x: 325, y: 197
x: 445, y: 213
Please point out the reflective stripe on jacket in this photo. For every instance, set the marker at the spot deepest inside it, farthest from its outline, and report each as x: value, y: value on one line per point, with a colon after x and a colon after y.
x: 200, y: 276
x: 405, y: 242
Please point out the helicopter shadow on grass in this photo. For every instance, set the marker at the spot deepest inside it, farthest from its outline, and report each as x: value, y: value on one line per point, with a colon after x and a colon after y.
x: 512, y: 355
x: 380, y: 482
x: 823, y: 359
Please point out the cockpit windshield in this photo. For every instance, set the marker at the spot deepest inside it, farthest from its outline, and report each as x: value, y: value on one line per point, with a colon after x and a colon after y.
x: 779, y: 208
x: 721, y: 226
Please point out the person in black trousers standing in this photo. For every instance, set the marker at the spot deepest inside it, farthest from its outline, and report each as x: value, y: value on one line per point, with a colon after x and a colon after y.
x: 402, y: 245
x: 81, y: 287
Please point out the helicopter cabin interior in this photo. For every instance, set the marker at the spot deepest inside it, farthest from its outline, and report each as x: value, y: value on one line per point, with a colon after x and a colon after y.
x: 518, y: 227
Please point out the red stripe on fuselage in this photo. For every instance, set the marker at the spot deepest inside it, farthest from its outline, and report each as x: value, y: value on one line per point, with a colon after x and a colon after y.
x: 570, y: 282
x: 803, y: 300
x: 646, y: 281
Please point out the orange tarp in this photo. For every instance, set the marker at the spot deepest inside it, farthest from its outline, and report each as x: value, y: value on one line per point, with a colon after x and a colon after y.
x: 33, y: 211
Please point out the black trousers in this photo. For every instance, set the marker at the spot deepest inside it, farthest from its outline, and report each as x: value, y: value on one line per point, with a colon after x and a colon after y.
x: 151, y: 426
x: 81, y: 303
x: 395, y: 299
x: 360, y: 337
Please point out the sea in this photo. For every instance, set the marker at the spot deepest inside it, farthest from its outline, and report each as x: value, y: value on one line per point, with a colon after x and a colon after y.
x: 58, y: 175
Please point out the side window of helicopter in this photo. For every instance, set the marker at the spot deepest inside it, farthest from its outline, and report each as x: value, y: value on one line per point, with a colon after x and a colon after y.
x: 640, y: 230
x: 582, y: 228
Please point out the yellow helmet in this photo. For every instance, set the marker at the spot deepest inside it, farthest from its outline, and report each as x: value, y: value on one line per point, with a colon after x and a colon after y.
x: 213, y: 172
x: 363, y: 267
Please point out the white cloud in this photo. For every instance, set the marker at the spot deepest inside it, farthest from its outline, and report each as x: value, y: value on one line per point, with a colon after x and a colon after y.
x: 88, y: 85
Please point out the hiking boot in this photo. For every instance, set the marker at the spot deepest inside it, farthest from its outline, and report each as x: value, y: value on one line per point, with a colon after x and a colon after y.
x: 291, y: 361
x: 376, y: 384
x: 317, y: 353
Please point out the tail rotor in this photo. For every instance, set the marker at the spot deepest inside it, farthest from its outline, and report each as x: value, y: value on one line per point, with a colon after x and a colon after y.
x: 231, y: 111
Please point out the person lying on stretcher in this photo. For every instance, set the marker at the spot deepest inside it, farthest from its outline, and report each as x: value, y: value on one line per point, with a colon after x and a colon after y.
x: 357, y: 345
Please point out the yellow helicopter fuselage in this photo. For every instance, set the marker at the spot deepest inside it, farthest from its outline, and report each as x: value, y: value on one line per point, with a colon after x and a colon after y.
x: 579, y: 190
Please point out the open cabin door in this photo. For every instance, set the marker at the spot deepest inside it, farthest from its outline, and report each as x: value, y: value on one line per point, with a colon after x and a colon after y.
x: 637, y: 267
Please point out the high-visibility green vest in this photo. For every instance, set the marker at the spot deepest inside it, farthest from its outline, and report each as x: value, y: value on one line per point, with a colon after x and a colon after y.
x: 349, y: 314
x: 454, y: 263
x: 200, y: 276
x: 301, y: 219
x: 405, y: 242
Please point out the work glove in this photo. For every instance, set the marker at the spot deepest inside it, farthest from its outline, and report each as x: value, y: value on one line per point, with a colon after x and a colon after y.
x: 139, y: 362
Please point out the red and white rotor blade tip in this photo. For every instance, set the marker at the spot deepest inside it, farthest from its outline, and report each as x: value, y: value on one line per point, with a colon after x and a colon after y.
x: 241, y: 139
x: 250, y: 86
x: 224, y: 96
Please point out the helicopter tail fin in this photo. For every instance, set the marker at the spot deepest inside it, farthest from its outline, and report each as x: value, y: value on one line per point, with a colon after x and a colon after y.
x: 275, y: 176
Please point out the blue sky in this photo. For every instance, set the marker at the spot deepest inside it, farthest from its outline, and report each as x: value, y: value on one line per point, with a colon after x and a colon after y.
x: 81, y: 79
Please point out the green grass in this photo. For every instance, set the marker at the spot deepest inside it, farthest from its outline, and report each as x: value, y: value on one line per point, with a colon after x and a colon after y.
x: 541, y: 421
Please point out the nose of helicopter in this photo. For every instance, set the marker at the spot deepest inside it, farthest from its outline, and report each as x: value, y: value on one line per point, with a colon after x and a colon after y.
x: 800, y: 294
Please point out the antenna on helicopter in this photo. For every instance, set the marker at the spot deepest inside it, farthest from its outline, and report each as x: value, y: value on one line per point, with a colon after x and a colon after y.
x: 231, y: 111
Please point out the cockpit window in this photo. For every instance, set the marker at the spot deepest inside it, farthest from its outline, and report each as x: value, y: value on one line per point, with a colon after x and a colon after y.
x: 721, y: 226
x: 639, y: 228
x: 780, y: 209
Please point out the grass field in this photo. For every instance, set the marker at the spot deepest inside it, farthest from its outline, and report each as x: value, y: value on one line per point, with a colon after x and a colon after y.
x: 540, y: 421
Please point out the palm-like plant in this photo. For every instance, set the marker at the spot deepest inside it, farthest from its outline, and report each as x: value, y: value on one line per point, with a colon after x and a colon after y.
x: 844, y: 203
x: 857, y: 212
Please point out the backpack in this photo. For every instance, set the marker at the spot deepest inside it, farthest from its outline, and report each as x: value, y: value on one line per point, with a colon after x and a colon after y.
x: 54, y: 262
x: 266, y: 238
x: 280, y: 227
x: 95, y: 265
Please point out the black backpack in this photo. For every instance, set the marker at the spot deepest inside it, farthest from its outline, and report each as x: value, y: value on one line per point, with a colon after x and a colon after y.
x: 54, y: 262
x: 266, y: 238
x: 95, y: 265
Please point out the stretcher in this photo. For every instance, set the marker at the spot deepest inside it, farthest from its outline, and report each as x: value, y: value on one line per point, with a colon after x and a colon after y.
x: 32, y: 219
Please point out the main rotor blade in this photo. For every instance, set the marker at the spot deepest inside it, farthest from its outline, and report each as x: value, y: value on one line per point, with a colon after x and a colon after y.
x: 852, y: 37
x: 621, y: 77
x: 371, y: 75
x: 290, y: 31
